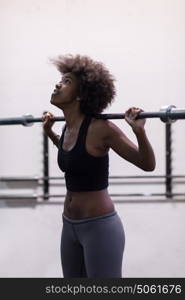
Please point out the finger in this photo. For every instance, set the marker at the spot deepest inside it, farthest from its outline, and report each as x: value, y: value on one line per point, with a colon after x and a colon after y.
x: 45, y: 117
x: 128, y: 112
x: 49, y: 115
x: 45, y: 114
x: 136, y: 111
x: 133, y: 112
x: 129, y: 117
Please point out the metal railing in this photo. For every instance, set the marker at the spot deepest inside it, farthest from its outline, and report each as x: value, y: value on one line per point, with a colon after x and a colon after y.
x: 168, y: 179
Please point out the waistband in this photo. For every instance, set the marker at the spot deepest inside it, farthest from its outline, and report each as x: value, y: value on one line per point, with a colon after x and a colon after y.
x: 76, y: 221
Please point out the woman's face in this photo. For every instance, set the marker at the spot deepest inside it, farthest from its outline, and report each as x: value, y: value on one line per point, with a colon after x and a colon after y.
x: 66, y: 91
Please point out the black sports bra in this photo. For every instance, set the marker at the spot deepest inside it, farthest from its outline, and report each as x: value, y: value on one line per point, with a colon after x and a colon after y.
x: 83, y: 171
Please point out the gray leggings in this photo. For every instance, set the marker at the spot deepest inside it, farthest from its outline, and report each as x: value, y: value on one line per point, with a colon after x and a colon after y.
x: 92, y: 247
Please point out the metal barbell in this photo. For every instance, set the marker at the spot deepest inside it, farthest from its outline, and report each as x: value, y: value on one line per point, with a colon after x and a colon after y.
x: 167, y: 114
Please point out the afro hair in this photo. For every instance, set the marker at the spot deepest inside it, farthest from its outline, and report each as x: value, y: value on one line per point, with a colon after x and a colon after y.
x: 97, y: 89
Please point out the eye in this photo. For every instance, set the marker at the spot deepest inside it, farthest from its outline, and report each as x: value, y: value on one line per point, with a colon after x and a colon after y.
x: 65, y: 80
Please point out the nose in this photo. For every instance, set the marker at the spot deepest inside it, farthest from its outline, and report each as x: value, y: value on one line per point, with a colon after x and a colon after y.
x: 58, y: 85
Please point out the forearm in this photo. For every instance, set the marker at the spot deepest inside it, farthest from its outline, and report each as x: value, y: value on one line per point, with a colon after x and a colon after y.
x: 53, y: 137
x: 146, y: 153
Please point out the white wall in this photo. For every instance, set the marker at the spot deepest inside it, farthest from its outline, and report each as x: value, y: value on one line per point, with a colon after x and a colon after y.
x: 142, y: 42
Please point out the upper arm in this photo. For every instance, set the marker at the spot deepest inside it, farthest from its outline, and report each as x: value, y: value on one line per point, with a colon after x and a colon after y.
x: 121, y: 144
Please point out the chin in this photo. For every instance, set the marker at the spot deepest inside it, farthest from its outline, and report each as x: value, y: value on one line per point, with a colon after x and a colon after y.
x: 53, y: 100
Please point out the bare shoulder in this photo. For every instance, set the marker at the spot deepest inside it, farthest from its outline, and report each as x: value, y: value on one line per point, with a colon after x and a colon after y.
x: 105, y: 135
x: 106, y: 131
x: 104, y: 127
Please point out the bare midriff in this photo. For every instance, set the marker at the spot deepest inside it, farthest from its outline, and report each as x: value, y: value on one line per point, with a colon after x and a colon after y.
x: 80, y: 205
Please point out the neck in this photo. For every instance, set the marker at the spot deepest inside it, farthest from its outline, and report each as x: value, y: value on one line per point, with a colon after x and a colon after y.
x: 72, y: 117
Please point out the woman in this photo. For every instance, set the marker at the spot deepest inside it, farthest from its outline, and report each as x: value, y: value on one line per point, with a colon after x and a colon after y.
x: 93, y: 237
